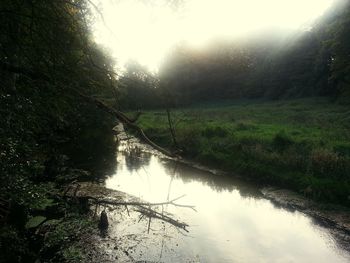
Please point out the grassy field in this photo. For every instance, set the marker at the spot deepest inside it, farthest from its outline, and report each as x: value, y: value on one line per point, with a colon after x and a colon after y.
x: 299, y: 144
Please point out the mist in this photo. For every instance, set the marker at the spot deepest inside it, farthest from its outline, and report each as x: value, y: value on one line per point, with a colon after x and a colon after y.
x: 146, y: 31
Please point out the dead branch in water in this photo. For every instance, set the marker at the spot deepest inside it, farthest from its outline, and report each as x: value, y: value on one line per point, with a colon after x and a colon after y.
x: 143, y: 207
x: 117, y: 203
x: 146, y: 210
x: 152, y: 213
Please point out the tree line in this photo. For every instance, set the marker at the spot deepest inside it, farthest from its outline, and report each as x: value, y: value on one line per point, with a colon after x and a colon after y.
x: 272, y: 65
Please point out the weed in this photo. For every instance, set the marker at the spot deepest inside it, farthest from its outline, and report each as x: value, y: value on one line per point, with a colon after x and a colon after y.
x: 216, y: 131
x: 282, y: 141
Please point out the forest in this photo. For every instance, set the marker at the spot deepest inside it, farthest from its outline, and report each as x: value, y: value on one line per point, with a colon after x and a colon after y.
x: 271, y: 65
x: 273, y: 108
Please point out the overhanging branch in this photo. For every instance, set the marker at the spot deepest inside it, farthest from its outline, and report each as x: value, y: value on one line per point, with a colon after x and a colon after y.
x: 118, y: 114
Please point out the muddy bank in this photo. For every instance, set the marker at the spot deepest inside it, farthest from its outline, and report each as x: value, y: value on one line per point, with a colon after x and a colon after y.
x: 130, y: 232
x: 336, y: 218
x: 98, y: 245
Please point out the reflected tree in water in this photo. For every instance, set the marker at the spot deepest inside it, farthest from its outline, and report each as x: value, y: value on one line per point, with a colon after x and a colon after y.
x: 216, y: 182
x: 135, y: 158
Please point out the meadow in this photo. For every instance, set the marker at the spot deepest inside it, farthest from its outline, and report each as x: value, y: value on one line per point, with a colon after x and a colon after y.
x: 300, y: 144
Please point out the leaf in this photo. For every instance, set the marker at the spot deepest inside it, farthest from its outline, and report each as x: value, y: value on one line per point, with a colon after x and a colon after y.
x: 52, y: 222
x: 35, y: 222
x: 43, y: 204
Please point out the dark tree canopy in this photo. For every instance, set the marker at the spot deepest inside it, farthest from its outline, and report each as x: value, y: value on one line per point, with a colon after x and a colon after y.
x: 46, y: 55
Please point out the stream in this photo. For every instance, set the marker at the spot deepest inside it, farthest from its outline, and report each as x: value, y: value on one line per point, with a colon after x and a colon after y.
x: 233, y: 222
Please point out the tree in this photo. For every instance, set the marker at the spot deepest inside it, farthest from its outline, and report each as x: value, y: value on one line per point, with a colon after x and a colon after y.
x: 339, y: 45
x: 138, y: 88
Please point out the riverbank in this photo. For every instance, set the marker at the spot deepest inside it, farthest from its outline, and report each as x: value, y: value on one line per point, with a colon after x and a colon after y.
x: 36, y: 223
x: 72, y: 234
x: 302, y: 145
x: 140, y: 167
x: 335, y: 217
x: 66, y: 228
x: 75, y: 237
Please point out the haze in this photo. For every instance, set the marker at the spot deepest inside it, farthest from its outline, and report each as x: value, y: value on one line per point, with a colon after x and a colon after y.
x: 146, y: 30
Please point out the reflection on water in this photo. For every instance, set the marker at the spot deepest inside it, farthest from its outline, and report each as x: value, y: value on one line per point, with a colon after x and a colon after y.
x: 233, y: 222
x: 135, y: 158
x: 93, y: 151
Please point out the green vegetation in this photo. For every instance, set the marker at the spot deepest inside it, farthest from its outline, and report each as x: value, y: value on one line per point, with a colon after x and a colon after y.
x: 49, y: 135
x: 299, y: 144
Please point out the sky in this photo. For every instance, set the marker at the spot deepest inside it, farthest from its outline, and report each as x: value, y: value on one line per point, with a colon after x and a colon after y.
x: 146, y: 30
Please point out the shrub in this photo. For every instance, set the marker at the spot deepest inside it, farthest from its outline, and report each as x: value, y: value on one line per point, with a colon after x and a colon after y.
x: 241, y: 126
x: 326, y: 163
x: 13, y: 246
x: 282, y: 141
x: 211, y: 132
x: 342, y: 149
x: 188, y: 138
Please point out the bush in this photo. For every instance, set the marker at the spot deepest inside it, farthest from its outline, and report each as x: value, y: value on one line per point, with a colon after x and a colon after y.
x: 13, y: 246
x: 189, y: 139
x: 282, y: 141
x: 216, y: 131
x: 326, y: 163
x: 342, y: 149
x: 241, y: 126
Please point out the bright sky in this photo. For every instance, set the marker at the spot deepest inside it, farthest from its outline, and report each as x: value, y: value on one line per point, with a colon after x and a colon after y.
x: 145, y: 30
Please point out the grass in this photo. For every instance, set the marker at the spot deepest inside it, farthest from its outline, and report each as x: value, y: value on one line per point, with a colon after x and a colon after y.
x: 300, y: 144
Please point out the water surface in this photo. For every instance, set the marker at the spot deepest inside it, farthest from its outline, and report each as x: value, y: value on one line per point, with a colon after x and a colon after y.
x: 233, y: 222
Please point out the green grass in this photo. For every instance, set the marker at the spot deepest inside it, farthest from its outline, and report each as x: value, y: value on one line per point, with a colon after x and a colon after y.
x: 300, y: 144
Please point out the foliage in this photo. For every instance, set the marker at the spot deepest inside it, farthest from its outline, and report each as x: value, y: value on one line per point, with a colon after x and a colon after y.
x: 72, y: 254
x: 47, y: 131
x: 138, y: 88
x: 35, y: 221
x: 13, y: 245
x: 339, y: 43
x: 281, y: 141
x: 58, y: 241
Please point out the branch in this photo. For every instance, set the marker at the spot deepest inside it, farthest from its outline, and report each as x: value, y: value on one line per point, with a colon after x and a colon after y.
x: 117, y: 203
x: 136, y: 117
x: 145, y: 209
x: 151, y: 213
x: 171, y: 128
x: 125, y: 120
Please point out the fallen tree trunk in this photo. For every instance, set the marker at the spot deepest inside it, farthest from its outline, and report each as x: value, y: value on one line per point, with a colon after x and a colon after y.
x: 125, y: 120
